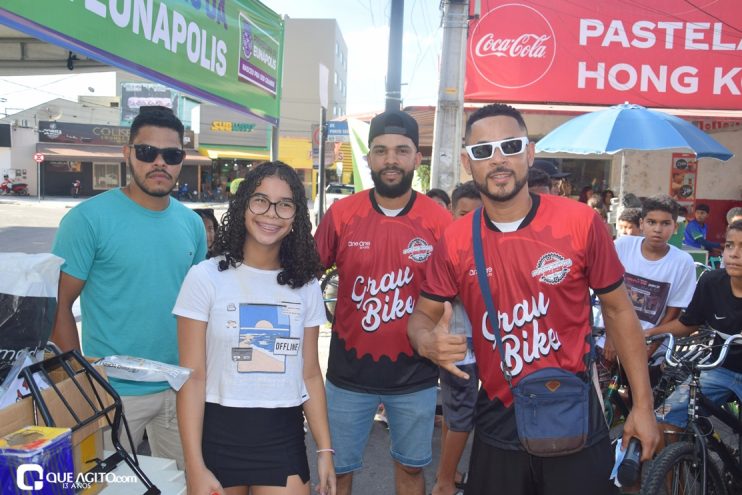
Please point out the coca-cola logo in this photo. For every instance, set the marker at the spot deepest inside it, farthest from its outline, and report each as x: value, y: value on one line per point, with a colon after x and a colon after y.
x: 512, y: 46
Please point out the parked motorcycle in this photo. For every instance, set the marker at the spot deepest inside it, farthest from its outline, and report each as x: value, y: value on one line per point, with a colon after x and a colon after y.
x: 15, y: 188
x: 185, y: 194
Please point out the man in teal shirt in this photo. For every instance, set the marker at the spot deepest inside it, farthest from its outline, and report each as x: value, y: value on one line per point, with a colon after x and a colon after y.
x: 126, y: 254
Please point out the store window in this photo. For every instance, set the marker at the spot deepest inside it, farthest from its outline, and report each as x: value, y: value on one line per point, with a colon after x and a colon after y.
x: 106, y: 175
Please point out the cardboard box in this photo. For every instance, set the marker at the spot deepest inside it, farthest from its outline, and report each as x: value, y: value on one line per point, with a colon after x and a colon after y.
x: 87, y: 441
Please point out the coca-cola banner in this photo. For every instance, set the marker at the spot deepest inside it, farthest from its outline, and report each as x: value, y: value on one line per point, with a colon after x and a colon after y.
x: 663, y: 53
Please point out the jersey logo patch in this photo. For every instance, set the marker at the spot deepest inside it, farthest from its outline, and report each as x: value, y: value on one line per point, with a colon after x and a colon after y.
x: 359, y: 244
x: 552, y: 268
x: 418, y: 250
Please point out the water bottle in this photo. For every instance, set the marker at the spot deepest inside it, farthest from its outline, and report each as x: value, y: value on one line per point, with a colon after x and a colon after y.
x: 628, y: 471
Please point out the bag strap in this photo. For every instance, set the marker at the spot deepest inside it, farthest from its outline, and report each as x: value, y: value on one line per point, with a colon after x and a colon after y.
x: 484, y: 287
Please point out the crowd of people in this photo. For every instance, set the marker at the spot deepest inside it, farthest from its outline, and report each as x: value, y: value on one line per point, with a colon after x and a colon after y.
x: 237, y: 300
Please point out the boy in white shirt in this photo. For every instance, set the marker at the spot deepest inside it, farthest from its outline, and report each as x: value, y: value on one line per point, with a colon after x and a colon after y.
x: 660, y: 278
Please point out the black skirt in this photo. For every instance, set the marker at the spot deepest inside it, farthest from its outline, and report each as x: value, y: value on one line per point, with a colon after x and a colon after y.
x: 254, y: 446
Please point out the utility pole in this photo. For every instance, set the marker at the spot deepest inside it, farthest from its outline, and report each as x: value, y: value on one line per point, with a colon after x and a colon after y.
x: 324, y: 77
x: 449, y: 114
x: 394, y: 63
x: 321, y: 171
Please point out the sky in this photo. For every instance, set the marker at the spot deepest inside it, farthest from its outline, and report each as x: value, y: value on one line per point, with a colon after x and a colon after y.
x: 364, y: 25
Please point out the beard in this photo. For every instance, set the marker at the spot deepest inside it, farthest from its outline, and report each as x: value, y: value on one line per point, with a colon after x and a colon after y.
x: 393, y: 190
x: 520, y: 183
x: 140, y: 182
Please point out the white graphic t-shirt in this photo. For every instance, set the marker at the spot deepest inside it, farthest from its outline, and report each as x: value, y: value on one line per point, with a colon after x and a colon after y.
x: 255, y: 333
x: 653, y: 285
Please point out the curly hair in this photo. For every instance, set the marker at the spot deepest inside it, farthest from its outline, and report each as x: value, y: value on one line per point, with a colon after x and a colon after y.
x: 297, y: 255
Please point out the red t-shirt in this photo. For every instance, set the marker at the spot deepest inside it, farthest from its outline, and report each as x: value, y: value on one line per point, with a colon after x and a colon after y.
x: 381, y: 263
x: 539, y: 277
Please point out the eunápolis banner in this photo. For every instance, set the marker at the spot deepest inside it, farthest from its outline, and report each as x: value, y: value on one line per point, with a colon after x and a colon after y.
x: 228, y: 52
x: 663, y: 53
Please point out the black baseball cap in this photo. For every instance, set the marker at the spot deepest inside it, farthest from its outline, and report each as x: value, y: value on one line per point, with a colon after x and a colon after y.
x: 394, y: 122
x: 551, y: 169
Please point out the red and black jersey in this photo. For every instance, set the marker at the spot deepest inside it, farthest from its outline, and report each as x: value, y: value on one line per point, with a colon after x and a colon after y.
x: 381, y: 262
x: 539, y: 277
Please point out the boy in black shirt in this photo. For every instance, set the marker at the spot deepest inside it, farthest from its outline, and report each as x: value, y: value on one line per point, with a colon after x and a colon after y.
x: 717, y: 302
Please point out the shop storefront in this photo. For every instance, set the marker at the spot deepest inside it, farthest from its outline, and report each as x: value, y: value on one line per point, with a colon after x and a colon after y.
x: 663, y: 171
x: 672, y: 55
x: 92, y: 155
x: 235, y: 144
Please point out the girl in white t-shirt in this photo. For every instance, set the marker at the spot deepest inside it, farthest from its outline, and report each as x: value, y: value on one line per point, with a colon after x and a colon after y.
x: 248, y: 322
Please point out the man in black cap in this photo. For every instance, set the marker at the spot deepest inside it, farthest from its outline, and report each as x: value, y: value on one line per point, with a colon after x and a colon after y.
x: 559, y: 186
x: 539, y: 181
x: 381, y: 240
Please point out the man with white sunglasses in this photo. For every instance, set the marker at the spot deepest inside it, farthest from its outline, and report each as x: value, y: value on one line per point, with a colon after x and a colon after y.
x: 126, y: 254
x: 542, y: 253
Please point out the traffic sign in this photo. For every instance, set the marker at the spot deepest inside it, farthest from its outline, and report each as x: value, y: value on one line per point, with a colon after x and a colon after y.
x: 38, y: 157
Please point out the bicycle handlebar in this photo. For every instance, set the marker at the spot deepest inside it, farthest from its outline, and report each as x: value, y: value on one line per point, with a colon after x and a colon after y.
x: 670, y: 359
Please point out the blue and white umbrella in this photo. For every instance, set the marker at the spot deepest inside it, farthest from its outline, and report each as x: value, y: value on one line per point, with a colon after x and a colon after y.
x: 629, y: 127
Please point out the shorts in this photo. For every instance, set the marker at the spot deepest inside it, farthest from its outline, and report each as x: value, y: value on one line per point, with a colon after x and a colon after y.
x: 410, y: 418
x: 458, y: 398
x: 493, y: 470
x: 254, y: 446
x: 719, y: 385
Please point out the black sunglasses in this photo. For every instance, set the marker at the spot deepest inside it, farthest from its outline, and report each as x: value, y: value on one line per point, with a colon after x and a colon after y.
x: 148, y: 153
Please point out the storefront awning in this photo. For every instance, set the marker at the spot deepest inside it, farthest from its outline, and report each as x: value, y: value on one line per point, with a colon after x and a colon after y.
x: 101, y: 154
x: 193, y: 157
x: 238, y: 153
x: 80, y: 153
x: 296, y: 152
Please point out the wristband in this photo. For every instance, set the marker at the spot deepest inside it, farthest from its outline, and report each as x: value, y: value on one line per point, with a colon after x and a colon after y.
x: 332, y: 451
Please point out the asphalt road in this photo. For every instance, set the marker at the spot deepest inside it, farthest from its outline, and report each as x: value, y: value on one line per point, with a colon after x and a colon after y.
x: 28, y: 225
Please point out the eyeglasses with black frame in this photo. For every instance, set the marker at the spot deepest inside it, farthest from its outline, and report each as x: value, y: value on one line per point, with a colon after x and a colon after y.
x: 148, y: 153
x: 259, y: 205
x: 508, y: 147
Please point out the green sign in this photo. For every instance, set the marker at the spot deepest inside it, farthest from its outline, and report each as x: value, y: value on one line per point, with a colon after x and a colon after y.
x: 228, y: 52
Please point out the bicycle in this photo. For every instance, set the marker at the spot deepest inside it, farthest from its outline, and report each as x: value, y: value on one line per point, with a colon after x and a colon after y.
x: 687, y: 467
x: 616, y: 409
x: 616, y: 392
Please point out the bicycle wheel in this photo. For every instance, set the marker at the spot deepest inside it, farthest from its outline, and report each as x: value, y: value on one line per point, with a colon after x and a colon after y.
x: 329, y: 286
x: 677, y: 470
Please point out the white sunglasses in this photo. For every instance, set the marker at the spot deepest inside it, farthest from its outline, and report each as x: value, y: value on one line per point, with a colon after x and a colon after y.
x: 508, y: 147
